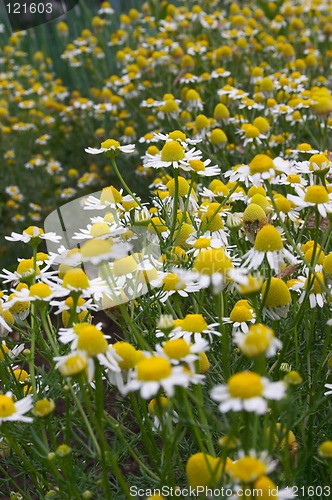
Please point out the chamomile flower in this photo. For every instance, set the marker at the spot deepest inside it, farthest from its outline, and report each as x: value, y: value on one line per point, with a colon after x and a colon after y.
x: 276, y: 298
x: 6, y: 318
x: 14, y: 411
x: 154, y: 373
x: 214, y: 267
x: 313, y: 196
x: 193, y: 328
x: 176, y: 135
x: 180, y: 351
x: 241, y: 314
x: 33, y: 233
x: 201, y: 168
x: 268, y: 244
x: 175, y: 282
x: 259, y: 339
x: 247, y: 391
x: 203, y: 242
x: 172, y: 154
x: 250, y: 467
x: 112, y: 146
x: 313, y: 287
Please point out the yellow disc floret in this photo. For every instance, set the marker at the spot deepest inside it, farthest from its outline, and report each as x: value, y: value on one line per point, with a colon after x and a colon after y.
x: 212, y: 261
x: 153, y: 369
x: 245, y: 385
x: 176, y: 349
x: 172, y: 151
x: 7, y: 406
x: 268, y: 239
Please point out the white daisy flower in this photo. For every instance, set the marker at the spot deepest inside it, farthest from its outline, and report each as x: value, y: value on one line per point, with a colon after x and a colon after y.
x: 181, y: 351
x: 259, y: 339
x: 313, y: 196
x: 247, y: 391
x: 193, y: 328
x: 268, y: 244
x: 111, y: 145
x: 172, y: 154
x: 13, y: 411
x: 33, y: 232
x: 154, y: 373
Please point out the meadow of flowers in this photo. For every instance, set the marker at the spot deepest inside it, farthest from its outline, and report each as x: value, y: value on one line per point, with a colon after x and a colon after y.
x: 178, y: 343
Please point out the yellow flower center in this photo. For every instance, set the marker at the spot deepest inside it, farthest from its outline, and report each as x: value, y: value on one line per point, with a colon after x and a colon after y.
x: 245, y: 385
x: 283, y: 205
x: 202, y: 243
x: 128, y: 354
x: 26, y: 267
x: 247, y: 469
x: 33, y: 231
x: 177, y: 134
x: 218, y: 136
x: 304, y: 146
x: 152, y: 369
x: 257, y: 340
x: 182, y: 234
x: 40, y: 290
x: 194, y: 323
x: 19, y: 306
x: 75, y: 278
x: 316, y: 287
x: 250, y: 131
x: 73, y: 365
x: 204, y: 470
x: 268, y: 239
x: 204, y: 363
x: 92, y: 341
x: 123, y: 266
x: 241, y: 314
x: 319, y: 255
x: 253, y: 213
x: 212, y: 261
x: 7, y: 406
x: 94, y: 248
x: 4, y: 350
x: 197, y: 165
x: 316, y: 194
x: 318, y: 161
x: 176, y: 349
x: 156, y: 404
x: 294, y: 179
x: 261, y: 201
x: 262, y: 124
x: 278, y: 294
x: 261, y: 163
x: 111, y: 195
x: 173, y: 282
x: 172, y: 151
x: 201, y: 122
x: 99, y: 229
x: 20, y: 375
x: 211, y: 222
x: 183, y: 187
x: 43, y: 407
x: 325, y: 449
x: 170, y: 106
x: 110, y: 143
x: 327, y: 265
